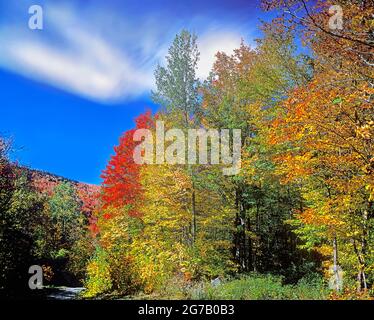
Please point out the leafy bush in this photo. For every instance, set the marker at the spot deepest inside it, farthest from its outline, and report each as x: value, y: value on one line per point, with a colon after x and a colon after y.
x: 98, y: 275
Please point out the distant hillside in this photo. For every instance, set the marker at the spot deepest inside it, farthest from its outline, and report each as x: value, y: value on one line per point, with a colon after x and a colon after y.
x: 49, y: 176
x: 55, y: 179
x: 45, y: 182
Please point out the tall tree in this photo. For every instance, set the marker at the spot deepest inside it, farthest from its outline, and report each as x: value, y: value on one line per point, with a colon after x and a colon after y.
x: 177, y: 84
x: 177, y: 91
x: 327, y: 128
x: 121, y: 185
x: 243, y: 92
x: 65, y: 213
x: 21, y: 210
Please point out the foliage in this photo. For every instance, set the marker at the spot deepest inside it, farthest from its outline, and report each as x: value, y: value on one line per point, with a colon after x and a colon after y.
x: 20, y: 215
x: 98, y: 275
x: 301, y: 205
x: 326, y: 133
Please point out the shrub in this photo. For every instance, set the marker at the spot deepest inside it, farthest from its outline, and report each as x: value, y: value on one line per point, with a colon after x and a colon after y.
x: 98, y: 275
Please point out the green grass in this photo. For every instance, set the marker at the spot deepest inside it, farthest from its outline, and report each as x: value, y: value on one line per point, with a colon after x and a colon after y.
x: 251, y: 287
x: 248, y: 287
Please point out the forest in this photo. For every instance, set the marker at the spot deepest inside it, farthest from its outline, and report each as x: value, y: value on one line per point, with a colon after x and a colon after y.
x: 296, y: 221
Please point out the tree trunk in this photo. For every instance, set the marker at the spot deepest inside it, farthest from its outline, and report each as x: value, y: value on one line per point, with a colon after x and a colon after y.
x: 336, y: 275
x: 193, y: 205
x: 240, y: 242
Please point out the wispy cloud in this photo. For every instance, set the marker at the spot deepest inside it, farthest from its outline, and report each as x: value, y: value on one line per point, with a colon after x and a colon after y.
x: 83, y: 62
x: 79, y: 55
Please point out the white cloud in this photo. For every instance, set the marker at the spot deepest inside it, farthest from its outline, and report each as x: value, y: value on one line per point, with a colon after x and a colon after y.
x: 86, y: 56
x: 89, y: 67
x: 210, y: 43
x: 83, y: 62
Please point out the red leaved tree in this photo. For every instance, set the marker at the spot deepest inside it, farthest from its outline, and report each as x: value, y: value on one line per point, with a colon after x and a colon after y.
x: 121, y: 185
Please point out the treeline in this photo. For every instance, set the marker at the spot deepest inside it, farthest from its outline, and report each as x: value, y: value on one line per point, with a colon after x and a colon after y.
x: 300, y: 207
x: 303, y: 200
x: 45, y: 222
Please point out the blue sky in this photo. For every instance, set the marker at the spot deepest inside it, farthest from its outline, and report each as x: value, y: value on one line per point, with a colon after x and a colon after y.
x: 69, y: 91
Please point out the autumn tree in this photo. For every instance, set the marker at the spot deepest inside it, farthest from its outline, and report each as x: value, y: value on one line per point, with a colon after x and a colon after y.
x: 177, y: 93
x: 243, y: 92
x: 119, y: 218
x: 121, y: 185
x: 177, y: 84
x: 328, y: 128
x: 21, y: 211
